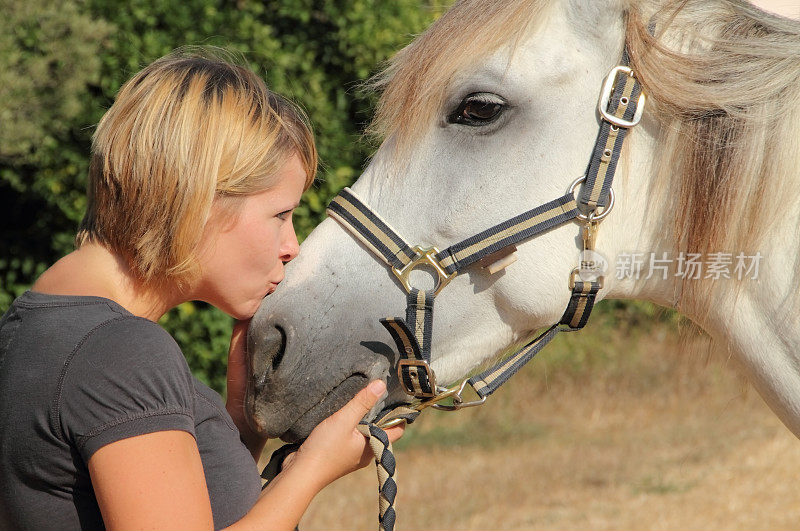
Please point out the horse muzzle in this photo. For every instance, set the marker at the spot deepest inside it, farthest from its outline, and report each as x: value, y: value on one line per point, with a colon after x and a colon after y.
x: 290, y: 390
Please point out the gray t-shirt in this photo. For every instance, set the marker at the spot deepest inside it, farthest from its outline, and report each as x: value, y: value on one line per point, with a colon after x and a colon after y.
x: 77, y: 373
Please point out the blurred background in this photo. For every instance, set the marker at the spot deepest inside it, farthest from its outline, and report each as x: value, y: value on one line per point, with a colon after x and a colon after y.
x: 638, y: 422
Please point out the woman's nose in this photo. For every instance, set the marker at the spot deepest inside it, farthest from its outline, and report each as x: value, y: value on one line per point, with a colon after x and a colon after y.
x: 290, y: 247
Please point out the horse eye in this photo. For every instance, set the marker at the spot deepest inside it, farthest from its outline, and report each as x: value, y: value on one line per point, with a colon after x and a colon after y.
x: 478, y: 109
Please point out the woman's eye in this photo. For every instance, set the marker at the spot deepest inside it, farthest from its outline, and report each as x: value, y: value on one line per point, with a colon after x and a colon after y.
x: 284, y: 215
x: 478, y: 109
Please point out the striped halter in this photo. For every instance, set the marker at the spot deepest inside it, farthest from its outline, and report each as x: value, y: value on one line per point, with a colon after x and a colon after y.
x: 621, y: 106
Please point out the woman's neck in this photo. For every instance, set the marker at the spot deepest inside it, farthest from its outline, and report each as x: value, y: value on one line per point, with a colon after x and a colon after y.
x: 96, y: 271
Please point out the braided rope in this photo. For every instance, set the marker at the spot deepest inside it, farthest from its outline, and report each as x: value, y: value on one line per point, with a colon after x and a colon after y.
x: 385, y: 462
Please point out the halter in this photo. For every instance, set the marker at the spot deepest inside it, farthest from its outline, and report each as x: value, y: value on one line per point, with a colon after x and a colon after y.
x: 620, y: 106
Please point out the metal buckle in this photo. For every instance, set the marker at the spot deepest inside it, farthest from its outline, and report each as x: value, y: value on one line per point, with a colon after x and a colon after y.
x: 458, y: 400
x: 425, y: 255
x: 442, y: 393
x: 576, y: 273
x: 605, y: 95
x: 429, y: 372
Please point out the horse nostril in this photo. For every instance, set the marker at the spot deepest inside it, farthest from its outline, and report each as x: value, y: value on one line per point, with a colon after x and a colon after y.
x: 266, y: 346
x: 278, y: 357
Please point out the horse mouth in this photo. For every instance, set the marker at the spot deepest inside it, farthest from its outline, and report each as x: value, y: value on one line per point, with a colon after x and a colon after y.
x: 331, y: 402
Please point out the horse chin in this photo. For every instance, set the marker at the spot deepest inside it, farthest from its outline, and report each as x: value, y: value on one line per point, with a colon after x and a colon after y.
x: 328, y: 404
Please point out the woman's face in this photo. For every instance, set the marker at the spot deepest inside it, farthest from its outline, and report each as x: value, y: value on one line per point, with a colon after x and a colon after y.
x: 242, y: 257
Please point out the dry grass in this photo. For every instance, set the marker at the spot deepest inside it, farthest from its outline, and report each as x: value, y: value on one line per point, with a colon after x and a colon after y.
x: 645, y: 432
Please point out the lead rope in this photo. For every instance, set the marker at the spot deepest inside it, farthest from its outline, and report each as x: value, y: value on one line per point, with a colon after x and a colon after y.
x: 384, y: 461
x: 384, y: 458
x: 386, y: 465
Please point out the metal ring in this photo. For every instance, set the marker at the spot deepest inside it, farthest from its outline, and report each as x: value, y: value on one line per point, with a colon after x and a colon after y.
x: 593, y: 216
x: 424, y: 256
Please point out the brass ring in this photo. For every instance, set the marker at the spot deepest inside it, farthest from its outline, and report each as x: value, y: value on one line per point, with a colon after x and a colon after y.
x: 424, y: 256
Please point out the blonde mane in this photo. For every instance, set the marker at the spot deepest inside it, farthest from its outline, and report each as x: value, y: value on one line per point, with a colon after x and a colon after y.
x: 723, y: 78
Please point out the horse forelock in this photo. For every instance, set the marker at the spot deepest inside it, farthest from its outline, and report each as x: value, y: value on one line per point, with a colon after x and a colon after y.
x: 414, y: 84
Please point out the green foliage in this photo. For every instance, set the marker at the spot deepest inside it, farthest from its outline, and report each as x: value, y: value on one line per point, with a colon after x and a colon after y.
x: 49, y: 62
x: 49, y: 53
x: 62, y: 62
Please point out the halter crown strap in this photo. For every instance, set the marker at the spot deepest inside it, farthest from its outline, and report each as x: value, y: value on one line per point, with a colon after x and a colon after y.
x: 620, y: 106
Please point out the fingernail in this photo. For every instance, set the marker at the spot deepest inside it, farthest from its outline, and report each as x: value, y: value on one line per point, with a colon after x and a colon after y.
x: 377, y: 387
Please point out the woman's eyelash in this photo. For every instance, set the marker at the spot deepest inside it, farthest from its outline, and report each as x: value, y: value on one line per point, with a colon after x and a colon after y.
x: 282, y: 215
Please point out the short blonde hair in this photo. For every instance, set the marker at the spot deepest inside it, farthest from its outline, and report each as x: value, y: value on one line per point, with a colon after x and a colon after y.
x: 190, y: 127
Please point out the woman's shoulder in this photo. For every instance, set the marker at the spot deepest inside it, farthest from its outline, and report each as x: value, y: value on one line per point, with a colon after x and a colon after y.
x: 134, y: 347
x: 96, y: 372
x: 126, y: 377
x: 81, y: 319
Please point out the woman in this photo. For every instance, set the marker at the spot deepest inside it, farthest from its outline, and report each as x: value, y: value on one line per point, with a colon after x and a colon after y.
x: 195, y: 172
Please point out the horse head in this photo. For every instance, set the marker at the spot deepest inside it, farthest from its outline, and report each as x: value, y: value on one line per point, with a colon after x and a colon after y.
x: 489, y: 113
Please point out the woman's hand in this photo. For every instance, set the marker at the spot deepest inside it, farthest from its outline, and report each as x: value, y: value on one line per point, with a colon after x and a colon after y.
x: 237, y: 388
x: 335, y: 448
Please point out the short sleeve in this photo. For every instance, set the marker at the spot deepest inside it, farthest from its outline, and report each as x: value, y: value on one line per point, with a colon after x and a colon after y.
x: 127, y: 377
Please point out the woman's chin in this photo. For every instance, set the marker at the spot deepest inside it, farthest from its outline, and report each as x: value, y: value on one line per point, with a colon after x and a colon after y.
x: 243, y: 307
x: 241, y: 311
x: 246, y: 312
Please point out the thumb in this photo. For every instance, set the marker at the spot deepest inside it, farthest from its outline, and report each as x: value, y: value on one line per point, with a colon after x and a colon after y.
x: 353, y: 411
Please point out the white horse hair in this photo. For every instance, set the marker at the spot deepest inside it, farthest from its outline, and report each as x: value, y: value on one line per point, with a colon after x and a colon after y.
x: 713, y: 168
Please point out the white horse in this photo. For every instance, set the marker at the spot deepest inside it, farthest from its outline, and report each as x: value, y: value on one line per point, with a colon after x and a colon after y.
x: 492, y: 111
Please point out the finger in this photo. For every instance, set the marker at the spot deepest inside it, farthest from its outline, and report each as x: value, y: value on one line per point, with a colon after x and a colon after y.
x: 237, y: 360
x: 395, y: 432
x: 354, y: 411
x: 237, y: 368
x: 239, y: 336
x: 289, y: 459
